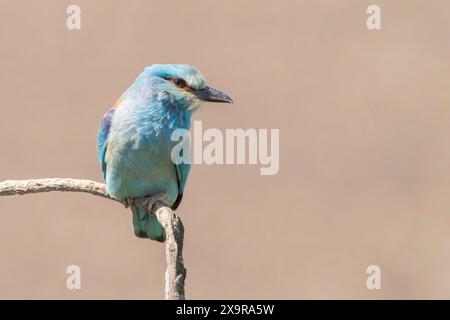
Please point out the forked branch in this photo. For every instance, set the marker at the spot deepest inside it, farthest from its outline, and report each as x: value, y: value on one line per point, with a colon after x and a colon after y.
x: 175, y: 273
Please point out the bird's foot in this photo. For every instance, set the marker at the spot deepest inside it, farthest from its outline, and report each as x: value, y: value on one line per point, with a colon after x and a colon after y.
x: 129, y: 202
x: 150, y: 201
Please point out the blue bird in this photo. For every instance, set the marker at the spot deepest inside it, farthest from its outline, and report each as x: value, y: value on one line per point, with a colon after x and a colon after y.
x: 134, y: 139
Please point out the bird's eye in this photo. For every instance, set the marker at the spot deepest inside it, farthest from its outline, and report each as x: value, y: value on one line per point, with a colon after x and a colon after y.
x: 180, y: 83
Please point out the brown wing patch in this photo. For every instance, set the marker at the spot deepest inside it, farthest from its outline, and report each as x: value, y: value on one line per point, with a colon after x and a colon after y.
x: 118, y: 102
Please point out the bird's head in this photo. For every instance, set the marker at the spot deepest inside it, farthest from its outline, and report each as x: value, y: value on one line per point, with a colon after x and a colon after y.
x: 184, y: 85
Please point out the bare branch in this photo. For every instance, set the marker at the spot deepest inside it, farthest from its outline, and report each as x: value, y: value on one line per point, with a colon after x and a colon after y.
x: 12, y: 187
x: 175, y: 273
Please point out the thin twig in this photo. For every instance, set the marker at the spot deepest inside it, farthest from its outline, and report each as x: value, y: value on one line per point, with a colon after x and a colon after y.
x: 175, y: 273
x: 12, y: 187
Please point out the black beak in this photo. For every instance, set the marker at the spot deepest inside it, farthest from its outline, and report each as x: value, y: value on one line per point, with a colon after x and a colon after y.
x: 212, y: 95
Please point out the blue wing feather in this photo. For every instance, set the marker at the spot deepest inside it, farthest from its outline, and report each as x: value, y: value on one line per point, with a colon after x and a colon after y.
x: 182, y: 173
x: 183, y: 168
x: 102, y: 138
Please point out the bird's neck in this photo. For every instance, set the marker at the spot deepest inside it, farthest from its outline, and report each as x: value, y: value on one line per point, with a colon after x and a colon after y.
x: 174, y: 117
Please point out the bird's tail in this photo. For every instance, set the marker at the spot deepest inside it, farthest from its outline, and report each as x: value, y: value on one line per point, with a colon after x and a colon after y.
x: 147, y: 226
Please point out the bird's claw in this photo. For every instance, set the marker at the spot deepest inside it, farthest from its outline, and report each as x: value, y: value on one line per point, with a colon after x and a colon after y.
x: 128, y: 202
x: 150, y: 201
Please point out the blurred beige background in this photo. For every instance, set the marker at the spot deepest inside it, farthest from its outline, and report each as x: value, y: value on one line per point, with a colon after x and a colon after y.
x: 364, y: 119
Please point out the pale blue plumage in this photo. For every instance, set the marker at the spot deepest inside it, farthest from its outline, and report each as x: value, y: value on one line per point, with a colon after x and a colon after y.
x: 134, y: 140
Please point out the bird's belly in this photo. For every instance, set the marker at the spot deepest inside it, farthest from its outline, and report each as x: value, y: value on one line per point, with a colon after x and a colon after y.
x: 141, y: 171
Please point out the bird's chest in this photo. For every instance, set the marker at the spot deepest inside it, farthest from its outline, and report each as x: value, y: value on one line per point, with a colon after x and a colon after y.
x: 139, y: 161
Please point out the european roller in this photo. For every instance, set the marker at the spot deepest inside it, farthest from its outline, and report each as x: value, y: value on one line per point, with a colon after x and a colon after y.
x: 134, y: 139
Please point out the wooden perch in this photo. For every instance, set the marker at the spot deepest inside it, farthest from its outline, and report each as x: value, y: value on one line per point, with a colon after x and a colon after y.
x: 175, y: 273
